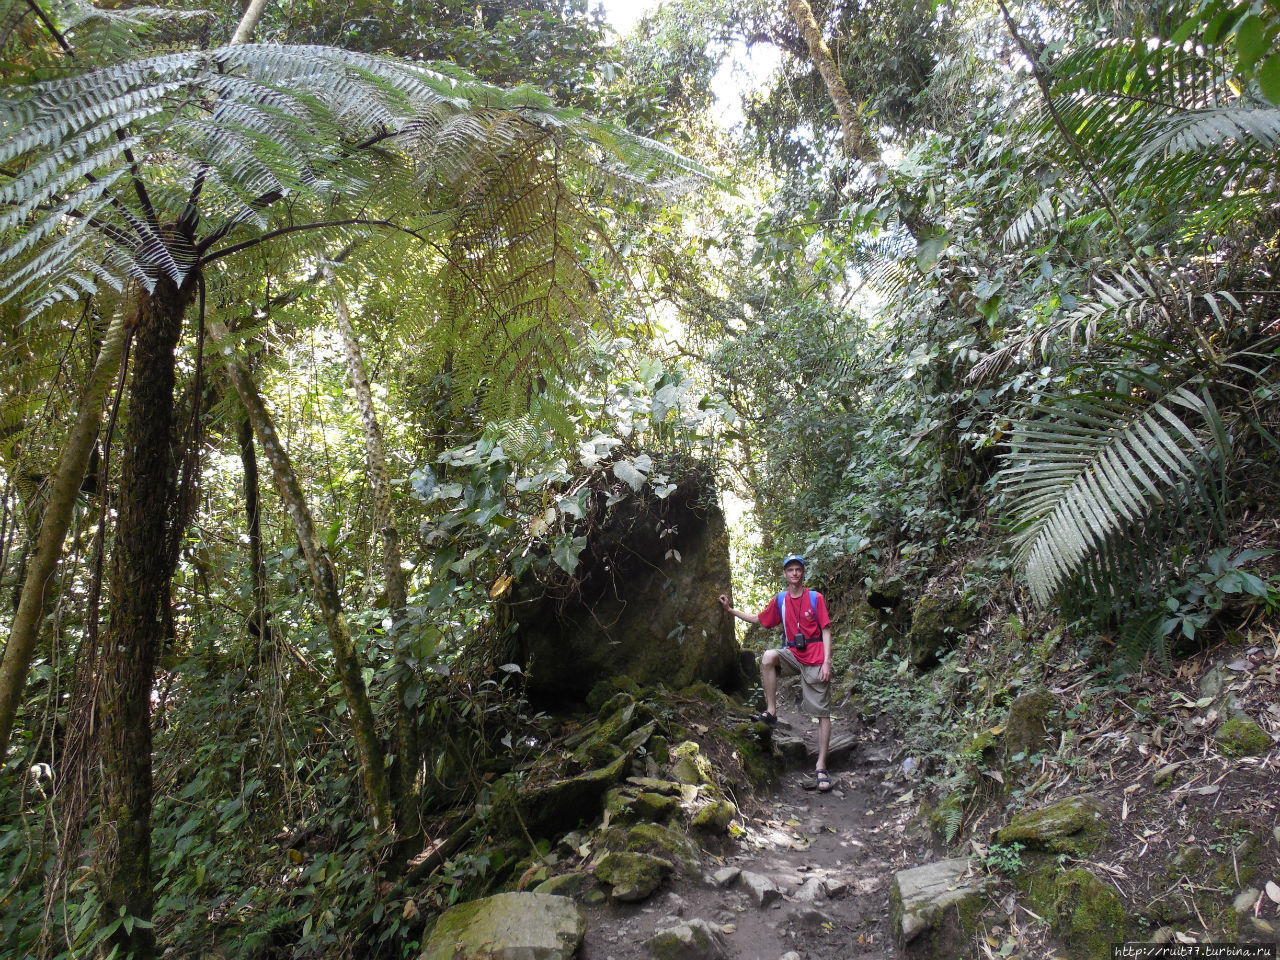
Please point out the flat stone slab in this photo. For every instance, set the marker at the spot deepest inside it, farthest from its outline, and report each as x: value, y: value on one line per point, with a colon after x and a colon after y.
x: 508, y: 926
x: 797, y: 749
x: 761, y: 889
x: 691, y: 940
x: 725, y: 876
x: 936, y: 902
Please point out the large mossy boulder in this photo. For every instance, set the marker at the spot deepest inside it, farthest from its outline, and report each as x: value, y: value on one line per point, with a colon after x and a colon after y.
x: 938, y: 623
x: 509, y: 926
x: 1084, y: 912
x: 559, y: 804
x: 1073, y: 826
x: 642, y: 602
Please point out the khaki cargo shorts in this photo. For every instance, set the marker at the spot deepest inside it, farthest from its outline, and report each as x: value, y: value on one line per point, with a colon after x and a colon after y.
x: 816, y: 695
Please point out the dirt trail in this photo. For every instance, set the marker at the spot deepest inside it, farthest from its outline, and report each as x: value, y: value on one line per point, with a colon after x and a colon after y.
x: 853, y: 838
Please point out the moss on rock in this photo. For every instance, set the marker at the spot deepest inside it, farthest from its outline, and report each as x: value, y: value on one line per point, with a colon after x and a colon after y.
x: 559, y: 804
x: 1074, y: 826
x: 1088, y: 914
x: 1085, y: 912
x: 937, y: 624
x: 1030, y: 720
x: 688, y: 765
x: 666, y: 843
x: 715, y: 817
x: 1241, y: 737
x: 602, y: 695
x: 631, y: 805
x: 633, y: 876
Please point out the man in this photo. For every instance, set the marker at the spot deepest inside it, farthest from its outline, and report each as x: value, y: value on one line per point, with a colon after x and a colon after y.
x: 802, y: 614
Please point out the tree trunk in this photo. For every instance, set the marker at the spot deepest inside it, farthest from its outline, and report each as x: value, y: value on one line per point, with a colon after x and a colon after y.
x: 408, y: 800
x: 259, y: 624
x: 857, y: 141
x: 141, y: 567
x: 53, y: 527
x: 368, y: 747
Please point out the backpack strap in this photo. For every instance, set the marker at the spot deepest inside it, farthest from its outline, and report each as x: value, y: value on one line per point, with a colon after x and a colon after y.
x: 782, y: 607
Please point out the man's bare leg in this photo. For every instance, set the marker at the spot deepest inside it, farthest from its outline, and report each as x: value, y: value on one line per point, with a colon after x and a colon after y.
x: 824, y: 741
x: 769, y: 680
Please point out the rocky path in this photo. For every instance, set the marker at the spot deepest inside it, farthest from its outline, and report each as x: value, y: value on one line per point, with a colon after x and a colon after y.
x: 808, y: 880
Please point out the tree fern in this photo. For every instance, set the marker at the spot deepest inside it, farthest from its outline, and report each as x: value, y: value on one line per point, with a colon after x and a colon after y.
x: 102, y: 165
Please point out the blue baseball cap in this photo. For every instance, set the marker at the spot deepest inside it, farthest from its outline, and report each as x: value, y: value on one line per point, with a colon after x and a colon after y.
x: 794, y: 558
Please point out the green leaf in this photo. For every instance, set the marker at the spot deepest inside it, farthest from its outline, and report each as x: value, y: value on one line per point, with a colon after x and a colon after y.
x: 1251, y: 42
x: 930, y: 249
x: 624, y: 470
x: 1269, y: 78
x: 1223, y: 22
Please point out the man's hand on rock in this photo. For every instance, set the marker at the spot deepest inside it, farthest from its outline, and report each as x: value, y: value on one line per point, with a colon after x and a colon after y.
x: 724, y: 600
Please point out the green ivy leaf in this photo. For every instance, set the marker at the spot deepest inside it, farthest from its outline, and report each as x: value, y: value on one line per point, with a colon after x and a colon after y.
x: 567, y: 551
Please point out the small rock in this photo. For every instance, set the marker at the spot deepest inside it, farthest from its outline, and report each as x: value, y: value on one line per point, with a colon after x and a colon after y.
x: 691, y: 940
x: 1213, y: 681
x: 811, y: 891
x: 836, y: 889
x: 762, y: 890
x: 676, y: 904
x: 725, y: 876
x: 1163, y: 935
x: 1245, y: 900
x: 910, y: 765
x: 809, y: 918
x: 728, y: 929
x: 574, y: 884
x: 790, y: 955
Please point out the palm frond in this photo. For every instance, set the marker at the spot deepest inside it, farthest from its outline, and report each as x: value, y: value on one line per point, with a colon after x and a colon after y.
x: 1132, y: 298
x: 1049, y: 210
x: 1084, y: 474
x: 1164, y: 126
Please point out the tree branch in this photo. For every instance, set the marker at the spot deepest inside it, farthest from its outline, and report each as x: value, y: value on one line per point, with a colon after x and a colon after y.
x: 299, y: 228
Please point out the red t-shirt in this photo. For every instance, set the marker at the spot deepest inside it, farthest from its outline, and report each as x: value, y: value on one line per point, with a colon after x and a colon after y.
x: 800, y: 613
